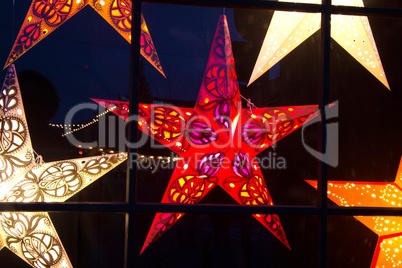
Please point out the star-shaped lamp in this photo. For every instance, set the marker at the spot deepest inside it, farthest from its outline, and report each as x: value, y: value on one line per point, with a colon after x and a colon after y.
x: 288, y: 30
x: 217, y: 141
x: 44, y: 17
x: 388, y: 252
x: 31, y: 235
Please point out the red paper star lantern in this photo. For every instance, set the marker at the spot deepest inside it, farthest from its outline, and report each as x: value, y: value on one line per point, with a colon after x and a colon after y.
x: 217, y: 141
x: 45, y: 16
x: 388, y: 252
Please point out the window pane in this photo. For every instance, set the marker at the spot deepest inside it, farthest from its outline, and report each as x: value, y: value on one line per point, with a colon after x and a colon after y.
x: 369, y: 128
x: 350, y: 243
x: 200, y: 240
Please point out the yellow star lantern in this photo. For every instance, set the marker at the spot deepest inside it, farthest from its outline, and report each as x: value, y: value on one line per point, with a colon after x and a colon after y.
x: 388, y: 252
x: 31, y: 235
x: 45, y: 16
x: 287, y: 30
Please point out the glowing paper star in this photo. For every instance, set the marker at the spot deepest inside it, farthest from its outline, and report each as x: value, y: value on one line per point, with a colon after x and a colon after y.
x: 388, y: 252
x: 45, y: 16
x: 31, y: 235
x: 217, y: 140
x: 287, y: 30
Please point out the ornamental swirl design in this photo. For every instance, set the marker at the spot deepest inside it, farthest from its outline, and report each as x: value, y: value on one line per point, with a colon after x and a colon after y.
x: 254, y: 192
x: 41, y: 250
x: 53, y: 12
x: 29, y: 35
x: 254, y: 133
x: 60, y: 180
x: 8, y: 96
x: 278, y: 123
x: 96, y: 166
x: 186, y: 190
x: 25, y: 191
x: 120, y: 13
x: 167, y: 123
x: 216, y: 79
x: 13, y: 134
x: 242, y: 165
x: 13, y: 137
x: 200, y: 133
x: 210, y: 164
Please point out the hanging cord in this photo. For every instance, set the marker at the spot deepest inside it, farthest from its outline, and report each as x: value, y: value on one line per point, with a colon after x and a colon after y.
x: 224, y: 11
x: 250, y: 104
x: 38, y: 158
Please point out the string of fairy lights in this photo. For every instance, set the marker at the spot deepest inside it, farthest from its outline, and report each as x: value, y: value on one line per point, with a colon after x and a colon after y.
x: 143, y: 159
x: 71, y: 128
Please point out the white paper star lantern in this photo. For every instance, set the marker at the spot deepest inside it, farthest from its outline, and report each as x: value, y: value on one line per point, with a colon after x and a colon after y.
x: 287, y: 30
x: 31, y: 235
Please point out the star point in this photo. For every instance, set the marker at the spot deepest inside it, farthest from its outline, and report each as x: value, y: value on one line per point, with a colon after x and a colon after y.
x: 374, y: 194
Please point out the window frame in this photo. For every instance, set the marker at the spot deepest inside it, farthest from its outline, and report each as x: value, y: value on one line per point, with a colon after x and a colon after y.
x: 131, y: 207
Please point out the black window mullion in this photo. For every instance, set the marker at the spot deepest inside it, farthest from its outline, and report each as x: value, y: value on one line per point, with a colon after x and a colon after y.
x: 324, y: 81
x: 130, y: 254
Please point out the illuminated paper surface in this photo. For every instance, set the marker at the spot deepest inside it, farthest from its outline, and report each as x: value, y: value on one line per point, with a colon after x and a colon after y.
x: 288, y: 30
x: 45, y: 16
x: 31, y: 235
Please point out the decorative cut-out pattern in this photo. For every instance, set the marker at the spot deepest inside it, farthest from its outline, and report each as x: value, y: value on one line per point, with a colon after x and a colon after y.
x: 45, y: 16
x: 213, y: 140
x: 39, y: 248
x: 31, y: 235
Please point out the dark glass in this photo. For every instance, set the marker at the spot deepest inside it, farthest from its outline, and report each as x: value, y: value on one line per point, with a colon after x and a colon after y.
x: 236, y: 240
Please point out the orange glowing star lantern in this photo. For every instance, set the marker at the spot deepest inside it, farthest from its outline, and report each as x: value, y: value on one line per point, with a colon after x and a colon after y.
x: 45, y: 16
x: 217, y: 141
x: 288, y: 30
x: 388, y: 252
x: 31, y: 235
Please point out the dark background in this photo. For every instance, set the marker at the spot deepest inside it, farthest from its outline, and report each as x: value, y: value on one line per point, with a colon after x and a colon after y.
x: 86, y: 58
